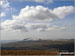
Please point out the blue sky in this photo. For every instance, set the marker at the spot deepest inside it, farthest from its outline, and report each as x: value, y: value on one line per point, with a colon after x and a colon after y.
x: 12, y: 8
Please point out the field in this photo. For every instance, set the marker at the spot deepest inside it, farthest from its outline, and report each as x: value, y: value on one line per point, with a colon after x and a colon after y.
x: 27, y: 52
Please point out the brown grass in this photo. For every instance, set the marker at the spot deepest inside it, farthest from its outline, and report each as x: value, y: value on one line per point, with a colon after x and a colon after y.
x: 27, y: 52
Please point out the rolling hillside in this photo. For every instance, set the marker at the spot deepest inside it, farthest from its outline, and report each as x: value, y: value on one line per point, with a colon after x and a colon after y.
x: 51, y: 45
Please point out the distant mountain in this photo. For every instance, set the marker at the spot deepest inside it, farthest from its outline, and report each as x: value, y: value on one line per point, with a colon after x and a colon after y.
x: 32, y: 39
x: 67, y: 45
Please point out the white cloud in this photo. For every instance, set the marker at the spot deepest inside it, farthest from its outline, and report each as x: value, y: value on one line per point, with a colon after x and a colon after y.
x: 55, y: 28
x: 36, y: 26
x: 13, y: 25
x: 4, y: 3
x: 2, y: 14
x: 61, y: 12
x: 36, y: 13
x: 44, y: 27
x: 42, y: 13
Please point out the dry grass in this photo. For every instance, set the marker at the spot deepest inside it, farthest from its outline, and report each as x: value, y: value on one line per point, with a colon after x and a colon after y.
x: 27, y: 52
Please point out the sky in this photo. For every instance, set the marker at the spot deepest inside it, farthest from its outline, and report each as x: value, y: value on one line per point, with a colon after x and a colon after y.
x: 45, y: 19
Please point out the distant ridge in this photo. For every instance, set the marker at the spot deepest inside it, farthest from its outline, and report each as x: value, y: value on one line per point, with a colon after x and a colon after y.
x: 29, y: 44
x: 7, y: 41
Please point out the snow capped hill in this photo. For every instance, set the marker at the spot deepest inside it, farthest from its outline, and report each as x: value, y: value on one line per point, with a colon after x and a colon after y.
x: 32, y: 39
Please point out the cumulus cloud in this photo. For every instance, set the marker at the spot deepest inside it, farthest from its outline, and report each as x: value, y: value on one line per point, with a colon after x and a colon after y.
x: 4, y: 3
x: 36, y: 26
x: 12, y: 25
x: 42, y: 13
x: 36, y: 13
x: 56, y: 28
x: 61, y: 12
x: 2, y: 14
x: 44, y: 27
